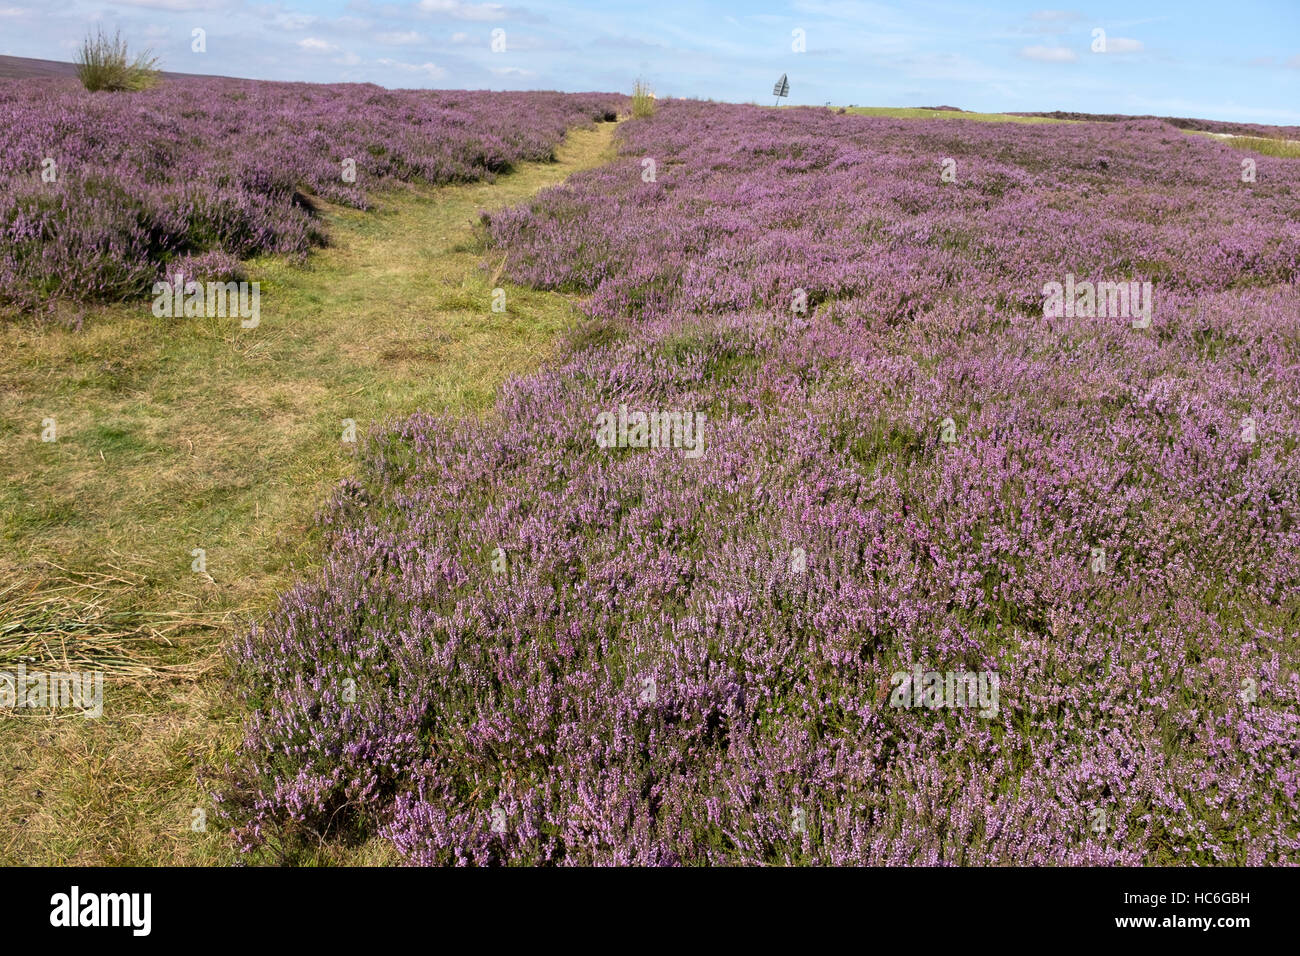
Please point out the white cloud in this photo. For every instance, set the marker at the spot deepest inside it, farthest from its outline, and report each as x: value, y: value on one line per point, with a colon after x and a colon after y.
x: 348, y: 59
x: 317, y: 45
x: 295, y: 21
x: 431, y: 69
x: 399, y: 39
x: 1051, y: 22
x: 464, y: 11
x: 511, y: 71
x: 1123, y: 45
x: 179, y: 5
x: 1049, y: 54
x: 460, y: 38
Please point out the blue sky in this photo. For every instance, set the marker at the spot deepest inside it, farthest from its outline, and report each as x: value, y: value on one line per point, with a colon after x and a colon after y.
x: 1237, y: 61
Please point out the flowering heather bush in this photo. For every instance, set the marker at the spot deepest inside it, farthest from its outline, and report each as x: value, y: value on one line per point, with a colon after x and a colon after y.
x: 133, y: 180
x: 673, y: 660
x: 215, y: 266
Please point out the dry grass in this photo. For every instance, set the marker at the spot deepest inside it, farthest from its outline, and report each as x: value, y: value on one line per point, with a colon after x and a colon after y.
x: 195, y: 433
x: 63, y: 620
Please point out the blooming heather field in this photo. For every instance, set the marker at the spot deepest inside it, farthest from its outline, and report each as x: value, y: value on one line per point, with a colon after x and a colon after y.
x: 529, y: 646
x: 101, y: 194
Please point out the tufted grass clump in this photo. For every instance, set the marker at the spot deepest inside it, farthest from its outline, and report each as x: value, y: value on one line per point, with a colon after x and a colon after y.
x: 103, y: 63
x: 643, y: 100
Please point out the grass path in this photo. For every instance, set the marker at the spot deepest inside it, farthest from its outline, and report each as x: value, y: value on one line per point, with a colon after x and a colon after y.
x: 896, y: 112
x: 180, y: 434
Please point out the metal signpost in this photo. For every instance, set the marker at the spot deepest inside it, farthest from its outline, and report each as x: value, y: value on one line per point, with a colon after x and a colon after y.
x: 781, y: 89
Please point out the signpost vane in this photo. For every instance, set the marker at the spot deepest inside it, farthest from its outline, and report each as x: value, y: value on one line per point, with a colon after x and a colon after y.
x: 782, y: 88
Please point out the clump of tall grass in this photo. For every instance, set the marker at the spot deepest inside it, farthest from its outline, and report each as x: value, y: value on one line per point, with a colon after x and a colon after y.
x: 103, y: 63
x: 643, y: 99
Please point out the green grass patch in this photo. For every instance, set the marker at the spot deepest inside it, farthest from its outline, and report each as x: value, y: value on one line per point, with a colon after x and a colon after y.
x: 899, y: 112
x: 1265, y: 146
x: 177, y: 434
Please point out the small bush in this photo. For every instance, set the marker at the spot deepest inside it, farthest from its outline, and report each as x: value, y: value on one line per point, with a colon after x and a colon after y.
x: 103, y: 63
x: 643, y: 99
